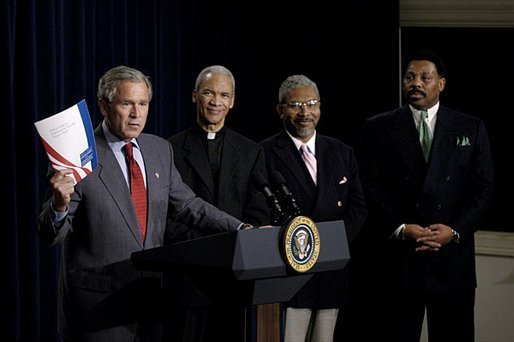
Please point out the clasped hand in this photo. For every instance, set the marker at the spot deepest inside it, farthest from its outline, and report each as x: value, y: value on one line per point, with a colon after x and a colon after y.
x: 430, y: 238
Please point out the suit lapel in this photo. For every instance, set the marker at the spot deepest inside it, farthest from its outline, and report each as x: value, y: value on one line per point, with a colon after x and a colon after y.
x: 112, y: 177
x: 325, y: 166
x: 287, y: 152
x: 230, y: 158
x: 152, y: 183
x: 405, y: 137
x: 443, y: 144
x: 197, y: 159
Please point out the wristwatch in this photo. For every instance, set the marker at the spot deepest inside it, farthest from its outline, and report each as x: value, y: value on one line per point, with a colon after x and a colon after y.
x: 455, y: 236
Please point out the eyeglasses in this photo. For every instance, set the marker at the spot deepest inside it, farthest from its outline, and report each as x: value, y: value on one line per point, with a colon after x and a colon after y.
x: 312, y: 103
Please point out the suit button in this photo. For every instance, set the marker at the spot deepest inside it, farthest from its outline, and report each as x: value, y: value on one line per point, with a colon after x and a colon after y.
x: 417, y: 205
x: 339, y: 204
x: 439, y: 206
x: 448, y: 178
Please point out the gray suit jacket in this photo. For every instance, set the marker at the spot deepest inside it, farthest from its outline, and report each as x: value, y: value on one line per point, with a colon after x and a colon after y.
x: 99, y: 287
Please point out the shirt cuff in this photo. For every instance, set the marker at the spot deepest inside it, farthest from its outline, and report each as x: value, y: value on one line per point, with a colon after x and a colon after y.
x: 58, y: 216
x: 398, y: 233
x: 245, y: 226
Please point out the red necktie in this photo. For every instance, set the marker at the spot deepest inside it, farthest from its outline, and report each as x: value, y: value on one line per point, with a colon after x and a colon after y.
x: 137, y: 188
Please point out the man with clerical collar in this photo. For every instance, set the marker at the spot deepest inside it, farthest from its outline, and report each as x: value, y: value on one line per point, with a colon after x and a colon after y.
x: 212, y: 143
x: 219, y: 166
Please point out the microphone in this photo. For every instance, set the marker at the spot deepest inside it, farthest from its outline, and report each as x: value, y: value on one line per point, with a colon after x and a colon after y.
x: 279, y: 183
x: 277, y: 214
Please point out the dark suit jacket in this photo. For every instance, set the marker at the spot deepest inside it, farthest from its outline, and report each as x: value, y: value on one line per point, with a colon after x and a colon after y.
x: 241, y: 159
x: 454, y: 188
x: 338, y: 196
x: 100, y: 232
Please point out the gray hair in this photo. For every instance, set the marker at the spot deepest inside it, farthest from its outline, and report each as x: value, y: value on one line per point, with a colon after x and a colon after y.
x: 214, y: 70
x: 107, y: 85
x: 292, y: 82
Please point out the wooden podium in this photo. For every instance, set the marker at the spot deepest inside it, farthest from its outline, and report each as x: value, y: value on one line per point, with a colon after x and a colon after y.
x: 244, y: 267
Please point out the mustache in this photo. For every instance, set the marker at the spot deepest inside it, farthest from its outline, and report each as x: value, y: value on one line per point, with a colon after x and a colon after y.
x: 415, y: 90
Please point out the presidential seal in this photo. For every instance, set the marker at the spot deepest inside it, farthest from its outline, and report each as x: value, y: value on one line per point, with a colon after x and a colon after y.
x: 301, y: 244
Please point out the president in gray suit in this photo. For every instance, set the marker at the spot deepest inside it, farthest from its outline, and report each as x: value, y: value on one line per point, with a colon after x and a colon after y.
x: 102, y: 297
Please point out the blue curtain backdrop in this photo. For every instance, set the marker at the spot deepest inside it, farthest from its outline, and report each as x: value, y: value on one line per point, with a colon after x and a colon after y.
x: 54, y: 51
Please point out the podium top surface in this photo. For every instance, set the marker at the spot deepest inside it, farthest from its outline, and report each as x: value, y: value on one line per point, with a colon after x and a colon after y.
x: 246, y: 254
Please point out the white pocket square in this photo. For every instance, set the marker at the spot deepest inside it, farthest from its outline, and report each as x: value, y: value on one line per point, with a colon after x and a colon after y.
x: 342, y: 181
x: 463, y: 142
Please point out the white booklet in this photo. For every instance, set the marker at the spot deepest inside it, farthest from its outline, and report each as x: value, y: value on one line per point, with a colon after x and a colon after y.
x: 69, y: 140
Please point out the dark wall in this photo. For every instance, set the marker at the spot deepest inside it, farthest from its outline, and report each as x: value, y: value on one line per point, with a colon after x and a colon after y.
x: 264, y: 44
x: 480, y: 65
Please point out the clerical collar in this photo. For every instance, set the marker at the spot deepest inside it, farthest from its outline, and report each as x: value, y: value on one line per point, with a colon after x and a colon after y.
x: 210, y: 135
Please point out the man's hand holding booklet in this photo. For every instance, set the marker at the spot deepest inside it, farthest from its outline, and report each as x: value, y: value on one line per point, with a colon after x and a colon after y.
x: 69, y: 140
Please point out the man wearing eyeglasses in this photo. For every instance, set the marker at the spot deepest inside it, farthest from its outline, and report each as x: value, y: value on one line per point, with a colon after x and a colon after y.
x: 322, y: 174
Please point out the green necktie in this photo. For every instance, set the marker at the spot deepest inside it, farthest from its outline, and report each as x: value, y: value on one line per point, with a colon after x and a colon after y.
x: 424, y: 134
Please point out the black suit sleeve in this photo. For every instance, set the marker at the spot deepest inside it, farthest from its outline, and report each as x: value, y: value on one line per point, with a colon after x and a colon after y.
x: 478, y: 190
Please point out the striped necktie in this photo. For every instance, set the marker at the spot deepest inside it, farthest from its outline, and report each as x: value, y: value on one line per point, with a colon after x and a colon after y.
x: 137, y: 188
x: 425, y: 138
x: 310, y: 161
